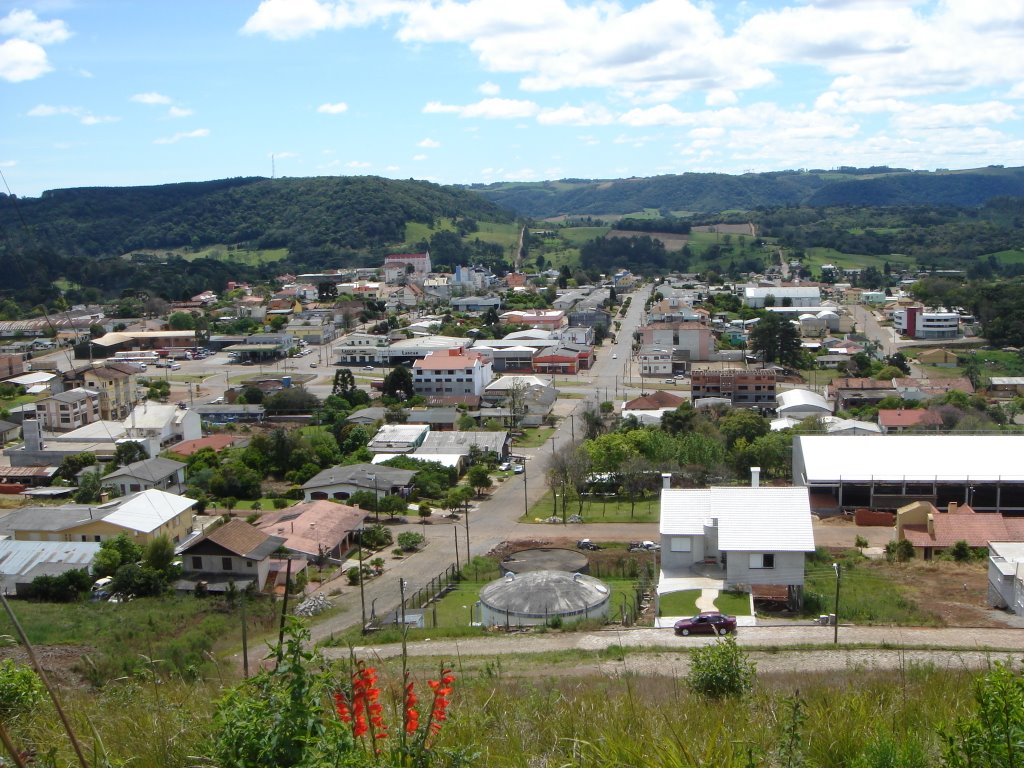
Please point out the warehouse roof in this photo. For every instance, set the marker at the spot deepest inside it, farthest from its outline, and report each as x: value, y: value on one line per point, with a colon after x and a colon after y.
x: 949, y: 458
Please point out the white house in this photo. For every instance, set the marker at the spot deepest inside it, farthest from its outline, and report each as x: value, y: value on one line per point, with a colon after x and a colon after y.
x: 755, y: 536
x: 162, y: 425
x: 452, y: 372
x: 916, y: 323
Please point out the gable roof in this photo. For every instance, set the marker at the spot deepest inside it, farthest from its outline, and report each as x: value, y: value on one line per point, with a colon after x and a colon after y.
x: 146, y: 511
x: 152, y: 470
x: 242, y: 539
x: 311, y: 525
x: 361, y: 476
x: 909, y: 417
x: 763, y: 519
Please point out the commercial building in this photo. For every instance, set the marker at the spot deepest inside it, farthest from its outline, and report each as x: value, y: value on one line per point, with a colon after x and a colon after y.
x: 889, y: 471
x: 916, y: 323
x: 452, y: 372
x: 757, y: 297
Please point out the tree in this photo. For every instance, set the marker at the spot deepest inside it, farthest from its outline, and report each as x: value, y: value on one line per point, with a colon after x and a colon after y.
x: 128, y: 452
x: 680, y: 420
x: 159, y: 555
x: 115, y: 552
x: 776, y: 340
x: 138, y: 581
x: 89, y: 488
x: 410, y: 541
x: 392, y: 505
x: 181, y: 321
x: 75, y: 463
x: 479, y: 479
x: 745, y: 424
x: 327, y: 291
x: 398, y: 383
x: 344, y: 382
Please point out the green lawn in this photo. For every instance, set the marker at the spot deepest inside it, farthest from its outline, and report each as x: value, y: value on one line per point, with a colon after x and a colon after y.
x: 493, y: 232
x: 678, y: 603
x: 611, y: 510
x: 13, y: 402
x: 734, y: 603
x: 867, y: 593
x: 533, y: 437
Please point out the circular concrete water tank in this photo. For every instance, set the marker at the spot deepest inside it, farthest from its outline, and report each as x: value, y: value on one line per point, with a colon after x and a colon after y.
x: 546, y: 559
x: 537, y: 597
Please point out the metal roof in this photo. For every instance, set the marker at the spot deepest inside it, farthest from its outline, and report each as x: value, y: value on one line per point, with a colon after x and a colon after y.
x: 942, y: 458
x: 763, y: 519
x: 148, y: 510
x: 21, y: 558
x: 460, y: 442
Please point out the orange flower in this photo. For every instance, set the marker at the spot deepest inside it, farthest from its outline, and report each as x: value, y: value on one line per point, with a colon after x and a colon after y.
x: 342, y: 708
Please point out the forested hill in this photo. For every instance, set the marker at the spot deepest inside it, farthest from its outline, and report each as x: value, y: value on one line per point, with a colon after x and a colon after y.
x: 301, y: 214
x: 714, y: 192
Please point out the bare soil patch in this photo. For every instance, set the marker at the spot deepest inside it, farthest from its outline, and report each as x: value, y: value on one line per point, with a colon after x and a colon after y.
x: 61, y: 663
x: 727, y: 229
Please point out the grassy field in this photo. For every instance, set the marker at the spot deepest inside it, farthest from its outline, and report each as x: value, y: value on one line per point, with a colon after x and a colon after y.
x: 533, y: 437
x: 252, y: 258
x: 612, y: 510
x: 493, y: 232
x: 867, y: 593
x: 116, y: 637
x: 579, y: 235
x: 685, y: 603
x: 818, y: 256
x: 594, y: 709
x: 1008, y: 257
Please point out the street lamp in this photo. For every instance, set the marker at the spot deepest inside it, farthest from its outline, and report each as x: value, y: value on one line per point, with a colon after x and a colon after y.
x: 835, y: 633
x: 376, y: 497
x: 362, y: 593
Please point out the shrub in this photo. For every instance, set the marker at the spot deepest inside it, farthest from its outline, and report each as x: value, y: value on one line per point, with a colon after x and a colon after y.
x: 961, y: 552
x: 860, y: 542
x: 21, y: 690
x: 410, y: 541
x: 375, y: 537
x: 721, y: 669
x: 899, y: 551
x: 280, y: 503
x: 991, y: 735
x: 352, y: 574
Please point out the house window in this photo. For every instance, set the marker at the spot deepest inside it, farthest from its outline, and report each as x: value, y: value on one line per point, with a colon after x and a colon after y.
x: 762, y: 561
x: 197, y: 563
x: 680, y: 544
x: 226, y: 564
x: 249, y: 563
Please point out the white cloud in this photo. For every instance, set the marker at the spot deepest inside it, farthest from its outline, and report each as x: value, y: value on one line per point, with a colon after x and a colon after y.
x: 98, y: 119
x: 489, y: 88
x: 8, y: 163
x: 487, y: 108
x: 177, y: 112
x: 944, y: 116
x: 84, y: 117
x: 662, y: 114
x: 292, y: 19
x: 357, y: 164
x: 428, y: 143
x: 151, y: 98
x: 392, y: 168
x: 21, y: 60
x: 718, y: 97
x: 591, y: 114
x: 25, y: 25
x: 199, y: 133
x: 419, y: 158
x: 332, y: 109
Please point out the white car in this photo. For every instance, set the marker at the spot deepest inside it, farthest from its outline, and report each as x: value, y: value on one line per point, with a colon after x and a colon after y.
x: 518, y: 469
x: 615, y: 356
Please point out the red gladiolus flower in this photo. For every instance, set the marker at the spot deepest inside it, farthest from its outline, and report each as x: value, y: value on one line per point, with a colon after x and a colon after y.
x: 342, y: 708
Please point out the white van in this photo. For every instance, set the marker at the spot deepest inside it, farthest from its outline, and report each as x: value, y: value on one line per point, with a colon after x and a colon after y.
x: 174, y: 366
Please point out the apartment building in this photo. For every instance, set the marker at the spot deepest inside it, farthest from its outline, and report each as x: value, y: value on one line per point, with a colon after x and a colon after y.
x: 745, y: 388
x: 452, y: 372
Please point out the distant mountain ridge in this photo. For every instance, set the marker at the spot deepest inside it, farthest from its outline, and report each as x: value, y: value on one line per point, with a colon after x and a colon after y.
x: 715, y: 192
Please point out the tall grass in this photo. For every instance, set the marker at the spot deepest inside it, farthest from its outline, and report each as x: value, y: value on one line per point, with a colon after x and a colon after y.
x: 514, y: 714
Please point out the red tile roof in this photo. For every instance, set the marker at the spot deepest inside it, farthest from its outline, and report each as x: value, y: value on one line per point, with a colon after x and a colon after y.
x: 976, y: 528
x: 911, y: 417
x: 657, y: 399
x: 449, y: 358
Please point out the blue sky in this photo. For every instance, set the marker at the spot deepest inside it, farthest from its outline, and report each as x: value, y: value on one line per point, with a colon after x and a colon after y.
x: 129, y: 92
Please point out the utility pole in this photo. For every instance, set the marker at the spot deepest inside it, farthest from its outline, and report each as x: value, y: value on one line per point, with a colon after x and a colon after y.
x: 835, y: 634
x: 455, y: 530
x: 362, y: 593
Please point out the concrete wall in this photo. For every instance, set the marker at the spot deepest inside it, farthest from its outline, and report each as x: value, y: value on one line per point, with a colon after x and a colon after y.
x: 789, y: 569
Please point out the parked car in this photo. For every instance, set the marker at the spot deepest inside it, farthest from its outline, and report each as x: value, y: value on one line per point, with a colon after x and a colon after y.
x: 367, y: 367
x: 650, y: 546
x: 615, y: 356
x: 707, y: 623
x: 587, y: 544
x: 518, y: 469
x: 312, y: 365
x: 670, y: 381
x: 505, y: 467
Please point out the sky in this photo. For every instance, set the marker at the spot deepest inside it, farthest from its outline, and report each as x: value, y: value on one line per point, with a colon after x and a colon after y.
x: 140, y: 92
